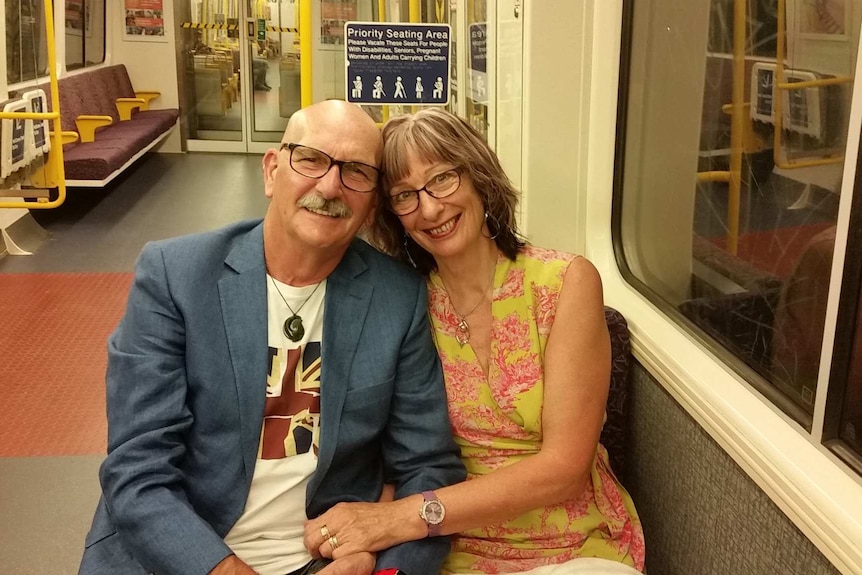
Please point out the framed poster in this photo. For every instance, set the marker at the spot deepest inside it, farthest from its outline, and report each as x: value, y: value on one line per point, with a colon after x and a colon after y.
x: 145, y: 21
x: 823, y: 19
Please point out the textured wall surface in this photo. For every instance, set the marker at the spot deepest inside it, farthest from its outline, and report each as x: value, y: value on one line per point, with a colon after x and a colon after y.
x: 701, y: 513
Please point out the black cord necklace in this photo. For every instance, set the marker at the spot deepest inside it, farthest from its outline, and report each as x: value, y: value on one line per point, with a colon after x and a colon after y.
x: 293, y: 327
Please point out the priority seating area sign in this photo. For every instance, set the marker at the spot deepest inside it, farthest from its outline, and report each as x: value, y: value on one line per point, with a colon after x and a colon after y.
x: 397, y: 63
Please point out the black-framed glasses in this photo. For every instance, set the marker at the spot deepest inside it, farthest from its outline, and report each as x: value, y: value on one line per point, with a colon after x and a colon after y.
x: 440, y: 186
x: 313, y: 163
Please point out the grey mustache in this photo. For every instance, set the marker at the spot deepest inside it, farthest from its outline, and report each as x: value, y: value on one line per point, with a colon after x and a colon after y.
x: 334, y: 207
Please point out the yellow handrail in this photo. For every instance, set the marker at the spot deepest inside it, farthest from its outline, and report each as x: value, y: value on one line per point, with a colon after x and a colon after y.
x: 305, y: 75
x: 714, y: 176
x: 737, y: 124
x: 56, y: 153
x: 381, y: 15
x: 815, y: 83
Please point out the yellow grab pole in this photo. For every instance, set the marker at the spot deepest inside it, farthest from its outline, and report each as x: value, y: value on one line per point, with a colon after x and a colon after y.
x: 777, y: 79
x: 737, y: 125
x: 56, y: 153
x: 415, y: 13
x: 305, y: 70
x: 381, y: 16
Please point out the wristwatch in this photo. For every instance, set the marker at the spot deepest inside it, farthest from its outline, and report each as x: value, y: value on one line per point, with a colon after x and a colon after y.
x: 433, y: 512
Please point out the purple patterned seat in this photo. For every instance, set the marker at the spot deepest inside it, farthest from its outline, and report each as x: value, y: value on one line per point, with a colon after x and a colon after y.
x: 615, y: 429
x: 94, y: 92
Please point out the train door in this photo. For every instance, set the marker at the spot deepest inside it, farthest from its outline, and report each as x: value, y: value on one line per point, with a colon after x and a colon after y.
x: 487, y: 71
x: 242, y: 77
x: 487, y: 87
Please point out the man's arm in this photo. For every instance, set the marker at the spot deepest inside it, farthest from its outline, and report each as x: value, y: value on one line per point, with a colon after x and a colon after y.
x: 147, y: 420
x: 418, y: 450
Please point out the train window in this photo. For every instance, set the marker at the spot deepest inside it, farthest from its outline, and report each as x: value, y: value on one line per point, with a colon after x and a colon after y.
x: 26, y: 41
x: 85, y: 33
x: 733, y: 122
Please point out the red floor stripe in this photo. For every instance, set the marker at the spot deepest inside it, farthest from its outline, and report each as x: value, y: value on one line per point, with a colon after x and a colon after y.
x: 53, y: 340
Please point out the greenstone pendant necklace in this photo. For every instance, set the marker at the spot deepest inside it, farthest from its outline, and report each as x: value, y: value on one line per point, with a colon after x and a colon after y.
x: 293, y: 328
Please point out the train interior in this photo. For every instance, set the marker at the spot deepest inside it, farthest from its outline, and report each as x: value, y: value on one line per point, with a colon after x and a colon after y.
x: 702, y: 153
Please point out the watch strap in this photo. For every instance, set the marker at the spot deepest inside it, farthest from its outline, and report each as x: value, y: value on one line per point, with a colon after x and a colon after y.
x: 433, y: 528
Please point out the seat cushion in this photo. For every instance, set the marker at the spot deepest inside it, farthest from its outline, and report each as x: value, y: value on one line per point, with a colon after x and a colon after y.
x: 95, y: 160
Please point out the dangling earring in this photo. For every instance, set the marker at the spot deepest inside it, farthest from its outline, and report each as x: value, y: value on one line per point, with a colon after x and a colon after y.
x: 407, y: 251
x: 488, y: 219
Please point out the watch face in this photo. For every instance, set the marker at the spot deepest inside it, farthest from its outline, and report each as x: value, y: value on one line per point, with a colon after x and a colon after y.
x: 433, y: 512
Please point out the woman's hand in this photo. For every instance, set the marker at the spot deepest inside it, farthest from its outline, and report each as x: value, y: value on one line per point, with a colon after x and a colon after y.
x: 354, y: 527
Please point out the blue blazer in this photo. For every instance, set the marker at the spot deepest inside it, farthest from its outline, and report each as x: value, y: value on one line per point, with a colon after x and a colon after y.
x: 186, y: 385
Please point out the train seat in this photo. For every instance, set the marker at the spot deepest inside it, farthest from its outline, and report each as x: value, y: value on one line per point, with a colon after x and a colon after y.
x: 114, y: 124
x: 615, y: 430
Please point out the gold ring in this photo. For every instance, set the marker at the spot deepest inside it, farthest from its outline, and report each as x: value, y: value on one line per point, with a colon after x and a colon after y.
x: 324, y: 531
x: 333, y: 542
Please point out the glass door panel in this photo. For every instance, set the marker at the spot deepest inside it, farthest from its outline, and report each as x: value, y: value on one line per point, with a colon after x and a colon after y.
x: 480, y: 75
x: 274, y: 80
x: 212, y: 90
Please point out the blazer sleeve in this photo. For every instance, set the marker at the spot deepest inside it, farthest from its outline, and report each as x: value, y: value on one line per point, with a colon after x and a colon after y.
x: 418, y: 450
x: 147, y: 418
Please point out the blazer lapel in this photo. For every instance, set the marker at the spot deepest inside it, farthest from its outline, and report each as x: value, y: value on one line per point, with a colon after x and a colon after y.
x: 348, y: 296
x: 242, y: 291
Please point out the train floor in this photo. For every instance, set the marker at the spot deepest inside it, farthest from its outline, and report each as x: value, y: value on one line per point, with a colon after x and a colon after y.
x: 58, y: 306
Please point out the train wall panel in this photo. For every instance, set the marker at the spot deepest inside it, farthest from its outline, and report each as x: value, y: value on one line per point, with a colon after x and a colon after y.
x: 701, y: 513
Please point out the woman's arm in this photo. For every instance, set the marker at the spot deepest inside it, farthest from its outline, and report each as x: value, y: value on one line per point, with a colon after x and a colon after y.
x: 577, y: 368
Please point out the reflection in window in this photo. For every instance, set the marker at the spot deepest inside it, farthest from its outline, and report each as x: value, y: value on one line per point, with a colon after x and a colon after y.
x: 26, y: 44
x: 731, y: 177
x: 85, y: 33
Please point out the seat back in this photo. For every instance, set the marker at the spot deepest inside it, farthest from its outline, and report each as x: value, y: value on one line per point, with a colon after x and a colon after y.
x: 615, y: 429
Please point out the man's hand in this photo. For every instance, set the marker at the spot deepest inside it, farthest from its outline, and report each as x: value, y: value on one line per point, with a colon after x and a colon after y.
x: 232, y: 565
x: 353, y: 564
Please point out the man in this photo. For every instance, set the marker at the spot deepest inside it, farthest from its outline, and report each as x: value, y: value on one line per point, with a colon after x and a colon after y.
x: 265, y: 371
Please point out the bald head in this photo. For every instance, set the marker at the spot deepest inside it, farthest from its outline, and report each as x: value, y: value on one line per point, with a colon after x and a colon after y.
x: 339, y: 119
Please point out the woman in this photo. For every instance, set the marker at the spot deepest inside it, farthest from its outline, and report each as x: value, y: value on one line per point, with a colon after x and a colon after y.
x: 526, y: 356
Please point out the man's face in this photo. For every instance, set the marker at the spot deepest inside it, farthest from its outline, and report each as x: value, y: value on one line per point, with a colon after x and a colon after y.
x: 321, y: 213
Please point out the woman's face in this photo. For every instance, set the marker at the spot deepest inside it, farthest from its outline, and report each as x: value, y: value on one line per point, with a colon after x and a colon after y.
x: 444, y: 227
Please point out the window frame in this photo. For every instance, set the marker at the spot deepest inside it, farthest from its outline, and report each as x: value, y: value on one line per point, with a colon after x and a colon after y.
x: 60, y: 47
x: 814, y: 487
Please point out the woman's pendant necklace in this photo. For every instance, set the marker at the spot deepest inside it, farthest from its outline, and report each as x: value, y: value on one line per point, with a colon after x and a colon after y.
x: 463, y: 334
x: 462, y: 328
x: 293, y: 328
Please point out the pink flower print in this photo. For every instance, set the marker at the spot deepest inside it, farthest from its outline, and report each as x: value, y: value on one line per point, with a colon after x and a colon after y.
x: 545, y: 255
x: 512, y: 334
x: 545, y: 307
x: 459, y: 376
x: 516, y: 378
x: 513, y: 285
x: 473, y: 422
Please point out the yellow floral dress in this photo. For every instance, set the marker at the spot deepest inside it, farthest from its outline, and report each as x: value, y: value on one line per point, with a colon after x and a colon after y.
x: 498, y: 421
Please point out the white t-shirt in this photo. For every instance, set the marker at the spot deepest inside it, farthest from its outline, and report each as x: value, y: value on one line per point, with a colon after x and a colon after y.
x: 269, y: 534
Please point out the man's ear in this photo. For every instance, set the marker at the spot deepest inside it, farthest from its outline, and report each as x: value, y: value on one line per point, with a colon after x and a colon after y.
x: 270, y: 164
x: 372, y: 213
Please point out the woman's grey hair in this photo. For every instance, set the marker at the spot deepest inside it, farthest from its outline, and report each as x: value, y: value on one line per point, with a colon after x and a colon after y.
x: 435, y: 135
